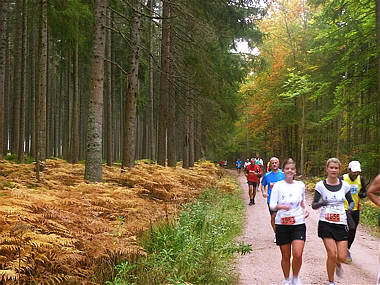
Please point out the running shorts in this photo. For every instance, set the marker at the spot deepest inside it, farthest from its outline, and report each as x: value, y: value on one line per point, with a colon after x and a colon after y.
x: 286, y: 234
x: 337, y: 232
x: 252, y: 183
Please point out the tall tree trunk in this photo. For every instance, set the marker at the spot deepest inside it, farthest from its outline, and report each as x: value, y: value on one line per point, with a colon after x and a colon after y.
x: 109, y: 122
x: 302, y: 151
x: 164, y: 84
x: 17, y: 46
x: 114, y: 103
x: 34, y: 89
x: 20, y: 152
x: 56, y: 110
x: 74, y: 145
x: 123, y: 79
x: 7, y: 87
x: 349, y: 107
x: 61, y: 108
x: 139, y: 135
x: 198, y: 134
x: 186, y: 140
x: 150, y: 141
x: 93, y: 166
x: 3, y: 47
x: 338, y: 137
x: 41, y: 121
x: 191, y: 130
x: 48, y: 97
x: 67, y: 108
x: 83, y: 122
x: 129, y: 153
x: 172, y: 137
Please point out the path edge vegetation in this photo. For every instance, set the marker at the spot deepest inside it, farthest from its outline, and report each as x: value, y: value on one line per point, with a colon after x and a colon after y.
x: 197, y: 247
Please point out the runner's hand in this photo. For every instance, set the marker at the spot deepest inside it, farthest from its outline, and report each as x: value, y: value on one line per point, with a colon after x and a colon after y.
x: 306, y: 213
x: 283, y: 207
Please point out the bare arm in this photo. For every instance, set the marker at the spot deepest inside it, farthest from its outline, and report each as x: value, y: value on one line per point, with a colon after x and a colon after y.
x: 305, y: 210
x: 374, y: 190
x: 264, y: 191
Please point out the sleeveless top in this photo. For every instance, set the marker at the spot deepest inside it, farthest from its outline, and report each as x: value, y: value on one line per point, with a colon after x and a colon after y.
x: 355, y: 187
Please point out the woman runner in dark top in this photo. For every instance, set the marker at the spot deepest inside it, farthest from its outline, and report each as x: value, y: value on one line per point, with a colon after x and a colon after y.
x: 329, y: 195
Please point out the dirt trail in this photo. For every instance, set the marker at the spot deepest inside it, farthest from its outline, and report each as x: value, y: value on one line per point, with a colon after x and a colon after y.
x: 262, y: 265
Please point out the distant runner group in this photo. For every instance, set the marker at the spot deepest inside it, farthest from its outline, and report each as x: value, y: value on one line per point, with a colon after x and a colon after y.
x: 337, y: 197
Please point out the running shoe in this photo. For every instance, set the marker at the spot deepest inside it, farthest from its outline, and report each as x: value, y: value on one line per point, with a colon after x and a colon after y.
x: 274, y: 239
x: 331, y: 283
x: 286, y: 282
x: 296, y: 281
x: 348, y: 258
x: 339, y: 270
x: 250, y: 203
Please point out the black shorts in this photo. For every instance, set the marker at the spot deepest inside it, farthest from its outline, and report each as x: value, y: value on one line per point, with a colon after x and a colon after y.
x: 252, y: 183
x: 337, y: 232
x: 286, y: 234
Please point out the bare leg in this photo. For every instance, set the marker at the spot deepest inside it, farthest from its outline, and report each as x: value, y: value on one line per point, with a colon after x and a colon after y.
x: 258, y: 184
x: 272, y: 219
x: 285, y: 260
x: 253, y: 191
x: 297, y: 250
x: 331, y: 250
x: 341, y: 251
x: 250, y: 191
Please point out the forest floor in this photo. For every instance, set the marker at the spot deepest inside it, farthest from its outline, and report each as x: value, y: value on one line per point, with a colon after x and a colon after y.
x: 61, y: 229
x: 263, y: 264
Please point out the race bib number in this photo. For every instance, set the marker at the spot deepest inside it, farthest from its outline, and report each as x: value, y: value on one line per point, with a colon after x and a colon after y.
x: 332, y: 217
x: 354, y: 189
x: 288, y: 220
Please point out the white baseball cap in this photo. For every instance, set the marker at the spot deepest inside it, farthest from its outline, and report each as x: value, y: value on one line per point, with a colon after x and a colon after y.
x: 354, y: 166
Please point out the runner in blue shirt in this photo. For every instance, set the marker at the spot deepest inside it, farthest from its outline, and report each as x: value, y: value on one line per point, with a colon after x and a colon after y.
x: 267, y: 183
x: 238, y: 164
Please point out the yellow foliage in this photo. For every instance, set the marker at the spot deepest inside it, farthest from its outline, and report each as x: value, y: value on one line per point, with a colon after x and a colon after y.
x: 8, y: 275
x: 64, y: 228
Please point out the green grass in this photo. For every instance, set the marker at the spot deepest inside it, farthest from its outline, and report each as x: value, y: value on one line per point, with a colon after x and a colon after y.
x: 13, y: 158
x: 369, y: 216
x: 197, y: 248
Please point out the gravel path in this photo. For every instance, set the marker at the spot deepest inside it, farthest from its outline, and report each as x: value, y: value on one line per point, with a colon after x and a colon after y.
x: 262, y: 265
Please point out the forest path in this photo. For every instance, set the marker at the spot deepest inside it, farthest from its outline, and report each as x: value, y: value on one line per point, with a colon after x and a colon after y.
x: 263, y: 264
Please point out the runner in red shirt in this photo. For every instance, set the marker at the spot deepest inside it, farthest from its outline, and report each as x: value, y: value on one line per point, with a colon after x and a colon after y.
x: 252, y: 172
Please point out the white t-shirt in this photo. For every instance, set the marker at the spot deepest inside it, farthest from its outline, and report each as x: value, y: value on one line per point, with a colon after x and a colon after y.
x: 334, y: 211
x: 291, y: 194
x: 259, y: 162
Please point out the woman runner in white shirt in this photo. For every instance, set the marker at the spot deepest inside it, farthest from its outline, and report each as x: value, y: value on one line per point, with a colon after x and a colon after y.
x: 332, y: 226
x: 288, y: 199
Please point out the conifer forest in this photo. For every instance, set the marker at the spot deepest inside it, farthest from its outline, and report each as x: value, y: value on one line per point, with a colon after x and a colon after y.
x: 114, y: 112
x: 112, y: 81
